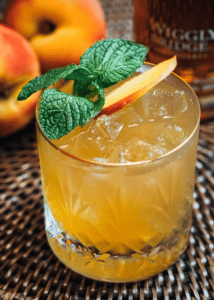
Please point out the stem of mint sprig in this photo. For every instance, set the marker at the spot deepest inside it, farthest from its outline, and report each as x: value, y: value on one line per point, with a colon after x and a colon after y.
x: 102, y: 65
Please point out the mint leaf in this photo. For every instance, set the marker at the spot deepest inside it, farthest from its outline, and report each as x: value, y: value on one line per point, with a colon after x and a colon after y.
x: 45, y: 81
x: 59, y: 113
x: 116, y: 69
x: 114, y: 60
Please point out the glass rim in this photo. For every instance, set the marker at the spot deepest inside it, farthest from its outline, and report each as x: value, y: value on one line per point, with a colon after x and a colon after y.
x: 137, y: 163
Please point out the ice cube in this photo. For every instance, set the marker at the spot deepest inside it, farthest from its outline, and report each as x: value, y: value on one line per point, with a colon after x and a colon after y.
x: 172, y: 102
x: 162, y: 102
x: 180, y: 103
x: 111, y: 126
x: 86, y: 144
x: 116, y: 155
x: 64, y: 141
x: 165, y: 134
x: 138, y: 150
x: 159, y: 106
x: 154, y: 105
x: 107, y: 128
x: 170, y: 135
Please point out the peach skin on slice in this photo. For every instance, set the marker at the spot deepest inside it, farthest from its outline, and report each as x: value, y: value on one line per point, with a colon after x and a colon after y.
x: 138, y: 86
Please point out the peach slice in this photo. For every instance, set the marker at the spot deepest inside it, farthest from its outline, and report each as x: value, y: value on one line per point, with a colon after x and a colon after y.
x: 138, y: 86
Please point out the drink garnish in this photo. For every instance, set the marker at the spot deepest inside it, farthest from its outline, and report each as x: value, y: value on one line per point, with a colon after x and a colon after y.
x: 101, y: 66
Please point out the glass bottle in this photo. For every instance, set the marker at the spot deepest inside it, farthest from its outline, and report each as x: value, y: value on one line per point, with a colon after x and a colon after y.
x: 181, y: 28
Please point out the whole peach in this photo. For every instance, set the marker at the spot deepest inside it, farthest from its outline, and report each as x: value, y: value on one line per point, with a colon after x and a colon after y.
x: 60, y: 31
x: 18, y: 65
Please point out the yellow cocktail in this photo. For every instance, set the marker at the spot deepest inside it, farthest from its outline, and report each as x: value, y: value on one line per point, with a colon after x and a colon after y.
x: 118, y: 192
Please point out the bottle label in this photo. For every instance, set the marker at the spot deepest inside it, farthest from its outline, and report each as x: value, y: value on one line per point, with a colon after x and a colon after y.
x: 182, y: 28
x: 178, y: 40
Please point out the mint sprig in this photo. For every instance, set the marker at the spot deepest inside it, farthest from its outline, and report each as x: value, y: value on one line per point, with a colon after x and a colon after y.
x: 101, y: 66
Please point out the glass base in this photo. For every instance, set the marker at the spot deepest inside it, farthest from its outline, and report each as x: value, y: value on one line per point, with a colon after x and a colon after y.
x: 114, y: 267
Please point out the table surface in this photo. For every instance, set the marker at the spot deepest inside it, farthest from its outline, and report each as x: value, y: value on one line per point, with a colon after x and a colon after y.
x: 28, y: 268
